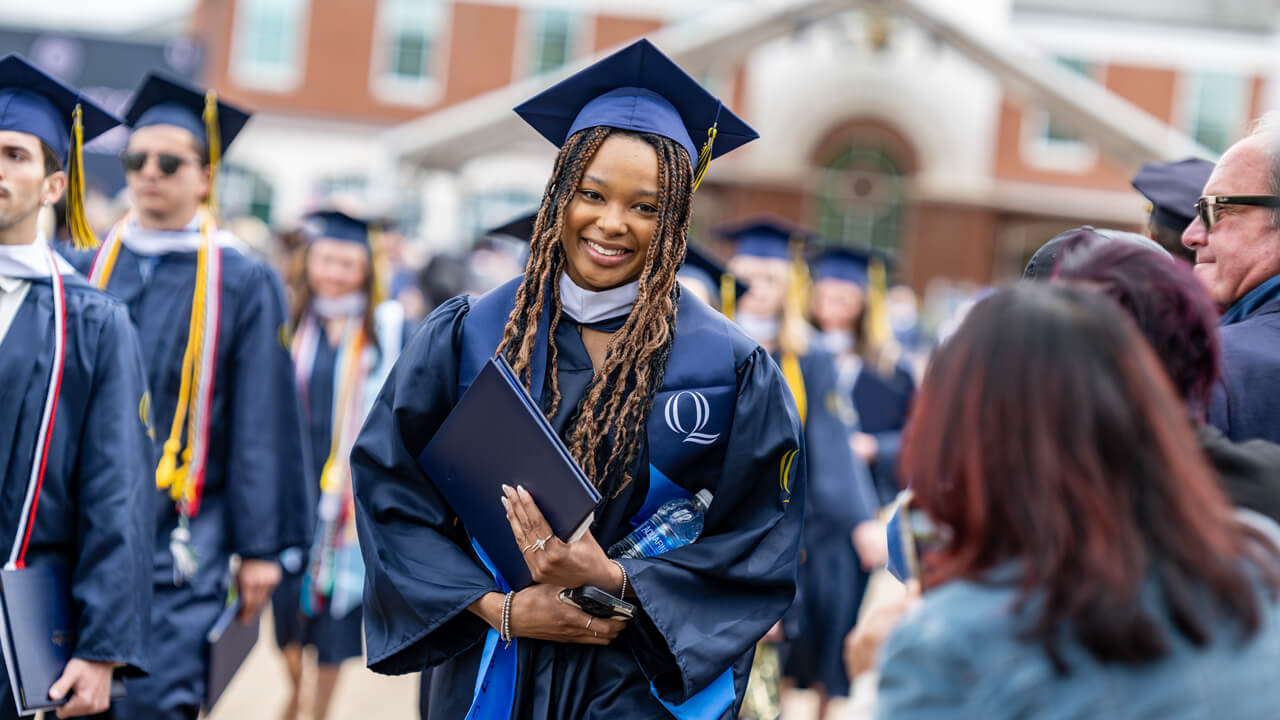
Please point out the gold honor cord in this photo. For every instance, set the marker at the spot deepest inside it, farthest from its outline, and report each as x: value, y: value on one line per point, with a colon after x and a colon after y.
x: 704, y: 157
x: 169, y: 475
x: 113, y: 251
x: 353, y: 349
x: 214, y: 136
x: 795, y: 381
x: 81, y: 233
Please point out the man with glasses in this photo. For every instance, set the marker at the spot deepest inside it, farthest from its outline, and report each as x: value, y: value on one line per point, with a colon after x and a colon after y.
x: 231, y: 476
x: 1236, y: 241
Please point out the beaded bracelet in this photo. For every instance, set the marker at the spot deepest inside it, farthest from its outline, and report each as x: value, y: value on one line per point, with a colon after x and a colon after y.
x: 622, y: 595
x: 504, y: 633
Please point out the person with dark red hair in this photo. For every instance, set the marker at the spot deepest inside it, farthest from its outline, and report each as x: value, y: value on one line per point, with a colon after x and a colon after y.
x: 1175, y: 313
x: 1089, y: 563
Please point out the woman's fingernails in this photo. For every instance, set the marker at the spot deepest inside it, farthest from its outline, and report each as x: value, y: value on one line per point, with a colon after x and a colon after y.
x: 522, y: 491
x: 507, y: 489
x: 506, y: 504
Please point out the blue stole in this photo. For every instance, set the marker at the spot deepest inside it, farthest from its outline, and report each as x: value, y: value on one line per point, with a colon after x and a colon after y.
x: 1252, y: 300
x: 688, y: 426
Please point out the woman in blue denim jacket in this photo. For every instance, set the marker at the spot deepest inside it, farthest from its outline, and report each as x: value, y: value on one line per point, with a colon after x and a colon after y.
x: 1092, y: 567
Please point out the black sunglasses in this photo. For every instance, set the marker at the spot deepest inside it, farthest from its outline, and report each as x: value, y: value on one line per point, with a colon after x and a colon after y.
x: 1207, y: 205
x: 135, y: 161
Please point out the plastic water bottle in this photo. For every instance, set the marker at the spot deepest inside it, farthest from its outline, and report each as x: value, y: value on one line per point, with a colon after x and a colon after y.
x: 677, y: 523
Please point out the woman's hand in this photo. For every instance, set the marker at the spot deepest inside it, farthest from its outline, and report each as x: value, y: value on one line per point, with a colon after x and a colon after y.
x: 538, y: 612
x: 862, y: 646
x: 551, y: 561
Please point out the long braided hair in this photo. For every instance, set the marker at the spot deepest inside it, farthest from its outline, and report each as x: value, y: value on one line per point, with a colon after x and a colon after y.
x: 615, y: 410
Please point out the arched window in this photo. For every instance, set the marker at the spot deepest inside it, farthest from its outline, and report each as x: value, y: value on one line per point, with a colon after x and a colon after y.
x: 862, y: 191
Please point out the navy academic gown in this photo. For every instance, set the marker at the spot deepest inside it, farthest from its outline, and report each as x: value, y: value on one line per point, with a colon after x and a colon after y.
x: 703, y: 607
x: 96, y: 506
x: 841, y: 495
x: 1246, y: 400
x: 257, y: 497
x: 882, y: 404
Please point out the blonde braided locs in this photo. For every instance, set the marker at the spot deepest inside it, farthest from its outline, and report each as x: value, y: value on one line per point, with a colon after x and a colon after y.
x: 613, y: 416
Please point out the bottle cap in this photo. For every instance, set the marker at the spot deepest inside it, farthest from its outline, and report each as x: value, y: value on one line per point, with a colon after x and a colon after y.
x: 704, y: 497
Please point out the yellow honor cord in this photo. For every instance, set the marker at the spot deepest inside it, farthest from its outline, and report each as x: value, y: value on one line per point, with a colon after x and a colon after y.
x: 795, y: 380
x: 169, y: 474
x: 704, y: 158
x: 214, y: 137
x: 81, y: 233
x: 879, y: 331
x: 328, y: 477
x: 728, y: 295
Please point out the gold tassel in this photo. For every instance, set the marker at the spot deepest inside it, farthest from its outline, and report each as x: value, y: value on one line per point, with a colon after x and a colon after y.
x: 704, y: 157
x: 379, y: 284
x: 728, y: 295
x: 795, y: 380
x: 215, y: 146
x: 879, y: 331
x: 81, y: 233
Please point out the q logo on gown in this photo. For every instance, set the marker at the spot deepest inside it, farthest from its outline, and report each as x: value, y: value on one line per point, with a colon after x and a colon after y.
x: 701, y: 416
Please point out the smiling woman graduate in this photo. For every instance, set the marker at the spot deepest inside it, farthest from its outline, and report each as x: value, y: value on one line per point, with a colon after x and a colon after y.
x: 598, y: 330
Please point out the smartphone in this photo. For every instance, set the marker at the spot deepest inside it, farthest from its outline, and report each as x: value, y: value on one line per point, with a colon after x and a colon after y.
x: 911, y: 534
x: 594, y: 601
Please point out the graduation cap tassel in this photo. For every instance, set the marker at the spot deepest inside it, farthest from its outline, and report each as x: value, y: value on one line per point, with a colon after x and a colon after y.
x: 81, y: 233
x: 728, y: 295
x: 879, y: 331
x: 210, y: 117
x: 704, y: 157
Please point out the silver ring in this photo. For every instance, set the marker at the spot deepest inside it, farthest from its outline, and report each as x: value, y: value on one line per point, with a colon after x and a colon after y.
x: 542, y: 544
x: 589, y: 622
x: 528, y: 548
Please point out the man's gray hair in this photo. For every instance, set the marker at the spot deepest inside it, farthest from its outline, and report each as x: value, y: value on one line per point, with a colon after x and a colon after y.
x: 1269, y: 125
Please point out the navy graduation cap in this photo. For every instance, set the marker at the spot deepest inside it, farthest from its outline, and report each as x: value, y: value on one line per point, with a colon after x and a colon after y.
x: 847, y: 264
x: 699, y: 267
x: 163, y: 101
x: 34, y: 103
x: 520, y: 228
x: 638, y: 88
x: 765, y: 235
x: 336, y: 225
x: 1173, y: 189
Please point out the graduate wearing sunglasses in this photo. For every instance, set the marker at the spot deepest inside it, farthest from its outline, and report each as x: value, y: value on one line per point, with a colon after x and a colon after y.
x: 656, y: 395
x: 230, y: 473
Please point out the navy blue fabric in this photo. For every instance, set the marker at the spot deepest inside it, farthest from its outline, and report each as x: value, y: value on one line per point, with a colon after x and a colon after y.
x: 1173, y: 189
x: 95, y: 510
x: 764, y: 235
x: 336, y: 225
x: 841, y: 495
x: 1246, y: 400
x: 35, y: 103
x: 883, y: 404
x: 703, y: 606
x: 258, y: 498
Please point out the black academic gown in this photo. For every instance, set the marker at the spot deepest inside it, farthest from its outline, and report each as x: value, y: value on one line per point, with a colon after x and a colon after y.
x: 95, y: 512
x: 841, y: 495
x: 257, y: 497
x: 724, y: 592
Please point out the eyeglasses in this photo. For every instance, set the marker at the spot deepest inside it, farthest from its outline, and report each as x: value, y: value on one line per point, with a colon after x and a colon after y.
x: 135, y: 161
x: 1207, y: 205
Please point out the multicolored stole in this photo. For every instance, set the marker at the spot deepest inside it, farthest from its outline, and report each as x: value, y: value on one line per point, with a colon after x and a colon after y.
x: 334, y: 580
x: 44, y: 438
x: 185, y: 481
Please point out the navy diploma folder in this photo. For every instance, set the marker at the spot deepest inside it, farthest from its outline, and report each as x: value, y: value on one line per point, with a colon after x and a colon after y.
x: 229, y: 644
x: 496, y: 434
x: 38, y: 626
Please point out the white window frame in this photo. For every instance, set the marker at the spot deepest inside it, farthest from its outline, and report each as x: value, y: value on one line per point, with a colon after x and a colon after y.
x: 529, y: 37
x: 263, y: 76
x: 1188, y: 101
x: 1045, y: 153
x: 398, y: 90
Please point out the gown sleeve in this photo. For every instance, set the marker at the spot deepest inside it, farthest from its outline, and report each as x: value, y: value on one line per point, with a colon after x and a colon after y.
x: 111, y: 585
x: 419, y: 579
x: 704, y: 605
x: 271, y: 501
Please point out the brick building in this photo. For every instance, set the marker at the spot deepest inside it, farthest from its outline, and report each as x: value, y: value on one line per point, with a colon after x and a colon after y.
x: 960, y: 141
